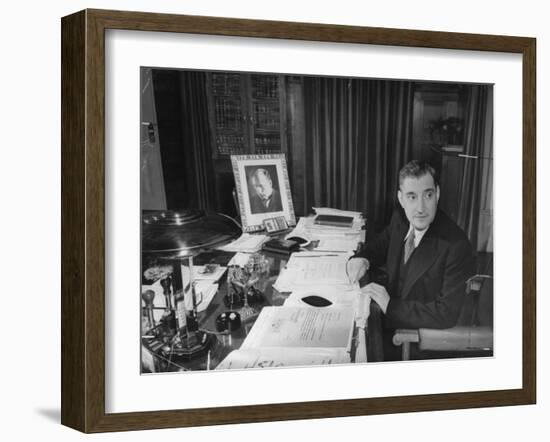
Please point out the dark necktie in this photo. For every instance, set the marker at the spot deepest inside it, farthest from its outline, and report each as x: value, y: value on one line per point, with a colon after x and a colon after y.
x: 409, y: 247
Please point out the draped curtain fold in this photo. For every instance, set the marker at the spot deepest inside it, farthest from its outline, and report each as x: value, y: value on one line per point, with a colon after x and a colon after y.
x: 475, y: 213
x: 355, y: 137
x: 196, y: 141
x: 358, y: 134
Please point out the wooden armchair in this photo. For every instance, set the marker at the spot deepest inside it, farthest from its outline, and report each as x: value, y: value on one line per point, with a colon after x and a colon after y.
x: 473, y: 334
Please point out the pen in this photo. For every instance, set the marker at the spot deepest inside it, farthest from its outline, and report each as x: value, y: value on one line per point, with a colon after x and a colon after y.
x: 208, y: 361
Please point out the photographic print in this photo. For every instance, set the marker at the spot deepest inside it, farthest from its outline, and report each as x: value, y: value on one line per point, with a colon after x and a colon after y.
x: 263, y: 189
x: 388, y: 261
x: 391, y: 181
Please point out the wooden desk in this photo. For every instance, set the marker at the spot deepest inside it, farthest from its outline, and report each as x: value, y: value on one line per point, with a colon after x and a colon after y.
x: 226, y: 342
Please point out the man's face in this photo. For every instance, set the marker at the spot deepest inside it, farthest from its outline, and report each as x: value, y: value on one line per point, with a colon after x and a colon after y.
x: 263, y: 186
x: 419, y: 197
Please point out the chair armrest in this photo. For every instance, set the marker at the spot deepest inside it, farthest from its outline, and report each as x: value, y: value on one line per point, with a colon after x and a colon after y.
x: 458, y: 338
x: 404, y: 337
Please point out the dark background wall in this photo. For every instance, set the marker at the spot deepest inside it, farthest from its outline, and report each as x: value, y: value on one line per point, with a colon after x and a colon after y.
x: 345, y: 140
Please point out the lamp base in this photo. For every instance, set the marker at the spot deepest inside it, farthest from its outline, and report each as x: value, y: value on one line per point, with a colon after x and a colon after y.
x: 192, y: 346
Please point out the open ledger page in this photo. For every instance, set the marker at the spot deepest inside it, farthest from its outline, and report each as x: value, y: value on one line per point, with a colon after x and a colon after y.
x: 274, y: 357
x: 310, y: 327
x: 291, y: 336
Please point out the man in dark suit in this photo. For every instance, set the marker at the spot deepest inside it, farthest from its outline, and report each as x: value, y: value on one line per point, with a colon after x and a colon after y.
x: 427, y: 257
x: 265, y: 198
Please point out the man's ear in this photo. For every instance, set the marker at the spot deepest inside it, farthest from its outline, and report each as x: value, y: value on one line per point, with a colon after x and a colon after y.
x: 437, y: 192
x: 400, y: 197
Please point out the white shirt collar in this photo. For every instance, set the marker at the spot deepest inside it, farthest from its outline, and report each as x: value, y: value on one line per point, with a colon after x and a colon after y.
x: 418, y: 235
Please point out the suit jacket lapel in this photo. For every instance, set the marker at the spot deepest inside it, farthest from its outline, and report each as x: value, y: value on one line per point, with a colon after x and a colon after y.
x: 420, y: 261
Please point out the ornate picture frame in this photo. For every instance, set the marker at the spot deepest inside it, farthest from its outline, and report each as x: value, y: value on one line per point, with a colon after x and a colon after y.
x: 253, y: 172
x: 85, y: 232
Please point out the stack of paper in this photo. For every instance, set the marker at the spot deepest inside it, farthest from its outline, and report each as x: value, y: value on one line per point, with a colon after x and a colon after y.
x: 337, y: 212
x: 245, y: 243
x: 358, y: 221
x: 331, y: 238
x: 316, y: 323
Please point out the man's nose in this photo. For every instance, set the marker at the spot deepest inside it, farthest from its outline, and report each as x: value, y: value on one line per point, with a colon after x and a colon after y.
x: 421, y: 205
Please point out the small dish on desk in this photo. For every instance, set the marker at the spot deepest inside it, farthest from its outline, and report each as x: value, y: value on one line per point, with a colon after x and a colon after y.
x: 316, y: 301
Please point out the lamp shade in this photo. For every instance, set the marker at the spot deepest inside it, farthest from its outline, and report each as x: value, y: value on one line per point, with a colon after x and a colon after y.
x: 172, y: 233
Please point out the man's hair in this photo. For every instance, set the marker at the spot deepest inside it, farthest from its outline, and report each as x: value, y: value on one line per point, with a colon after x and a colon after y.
x: 417, y: 169
x: 258, y: 172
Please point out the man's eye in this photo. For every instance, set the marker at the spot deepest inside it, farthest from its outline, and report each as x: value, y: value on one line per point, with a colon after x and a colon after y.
x: 429, y: 194
x: 412, y: 197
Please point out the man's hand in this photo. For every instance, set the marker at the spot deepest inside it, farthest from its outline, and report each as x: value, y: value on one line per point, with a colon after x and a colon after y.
x: 356, y: 268
x: 379, y: 294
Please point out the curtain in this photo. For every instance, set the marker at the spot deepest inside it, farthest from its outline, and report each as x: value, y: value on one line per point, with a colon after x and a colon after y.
x: 196, y: 140
x: 475, y: 213
x: 358, y: 134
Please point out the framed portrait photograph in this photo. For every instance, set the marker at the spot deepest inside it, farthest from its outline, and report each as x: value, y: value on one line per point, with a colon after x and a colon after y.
x: 263, y: 189
x: 418, y: 140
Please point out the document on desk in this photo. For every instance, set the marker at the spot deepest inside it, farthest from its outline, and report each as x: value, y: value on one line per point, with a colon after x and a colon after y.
x: 245, y: 243
x: 206, y: 272
x: 313, y: 269
x: 335, y: 244
x: 205, y: 289
x: 282, y: 357
x: 294, y: 336
x: 329, y: 237
x: 302, y: 327
x: 205, y: 292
